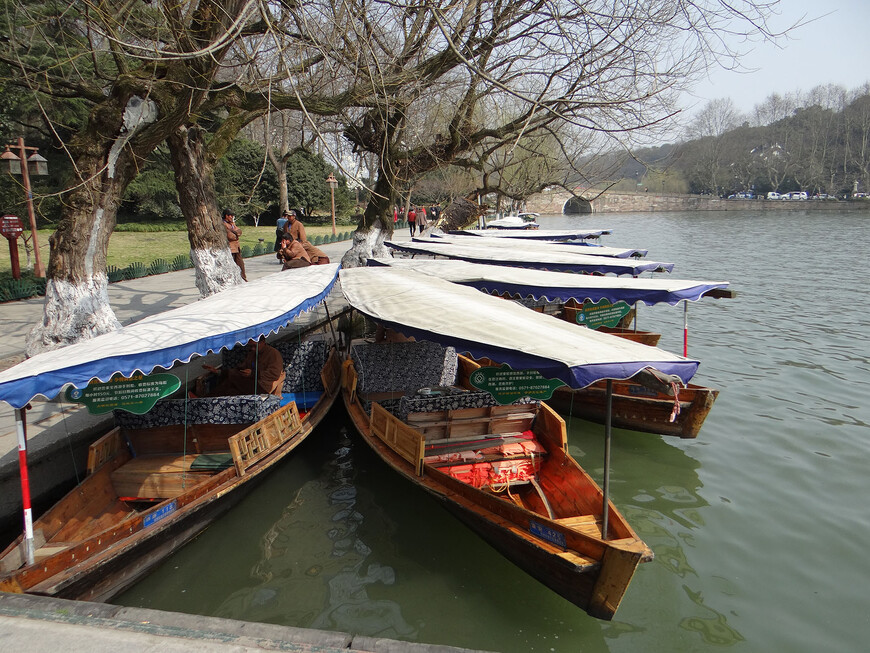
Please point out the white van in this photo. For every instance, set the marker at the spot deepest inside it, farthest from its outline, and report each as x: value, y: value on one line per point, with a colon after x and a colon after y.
x: 797, y: 195
x: 773, y: 195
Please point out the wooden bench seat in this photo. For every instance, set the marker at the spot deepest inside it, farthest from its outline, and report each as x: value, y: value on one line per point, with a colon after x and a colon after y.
x: 158, y: 476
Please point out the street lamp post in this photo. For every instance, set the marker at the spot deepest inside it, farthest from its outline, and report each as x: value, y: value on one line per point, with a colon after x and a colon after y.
x: 333, y: 184
x: 21, y: 164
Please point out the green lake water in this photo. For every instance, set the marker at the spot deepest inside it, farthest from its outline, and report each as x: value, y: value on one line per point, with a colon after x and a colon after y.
x: 760, y: 527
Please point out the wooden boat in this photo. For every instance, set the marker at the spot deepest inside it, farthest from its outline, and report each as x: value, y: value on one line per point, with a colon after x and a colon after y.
x: 548, y: 524
x: 504, y: 470
x: 156, y: 480
x: 647, y: 406
x: 638, y: 407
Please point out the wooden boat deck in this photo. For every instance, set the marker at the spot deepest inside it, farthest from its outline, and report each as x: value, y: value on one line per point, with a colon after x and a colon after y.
x: 158, y: 476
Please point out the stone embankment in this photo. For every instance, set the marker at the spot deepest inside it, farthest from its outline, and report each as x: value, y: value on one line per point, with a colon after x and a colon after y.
x: 609, y: 202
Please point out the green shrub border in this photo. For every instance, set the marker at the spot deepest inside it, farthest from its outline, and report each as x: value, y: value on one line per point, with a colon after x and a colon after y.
x: 29, y: 286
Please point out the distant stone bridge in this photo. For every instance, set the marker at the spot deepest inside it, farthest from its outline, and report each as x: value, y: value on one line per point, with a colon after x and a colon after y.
x: 562, y: 202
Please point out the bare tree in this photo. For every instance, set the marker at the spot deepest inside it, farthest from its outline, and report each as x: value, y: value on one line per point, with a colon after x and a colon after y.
x: 716, y: 119
x: 141, y: 70
x: 595, y: 66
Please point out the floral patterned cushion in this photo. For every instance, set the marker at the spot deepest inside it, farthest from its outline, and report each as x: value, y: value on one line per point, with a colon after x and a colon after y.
x: 403, y: 366
x: 302, y: 364
x: 243, y: 409
x: 444, y: 402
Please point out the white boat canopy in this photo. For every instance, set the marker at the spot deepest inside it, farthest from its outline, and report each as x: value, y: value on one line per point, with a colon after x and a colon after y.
x: 520, y: 257
x: 433, y: 309
x: 557, y: 286
x: 534, y: 234
x: 534, y: 246
x: 223, y: 320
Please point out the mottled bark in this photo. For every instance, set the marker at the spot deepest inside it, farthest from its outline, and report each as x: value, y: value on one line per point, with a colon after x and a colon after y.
x: 213, y: 264
x: 368, y: 242
x: 375, y: 226
x: 76, y: 295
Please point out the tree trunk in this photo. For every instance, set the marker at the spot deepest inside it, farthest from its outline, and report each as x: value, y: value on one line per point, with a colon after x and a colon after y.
x: 213, y: 263
x: 375, y: 227
x: 76, y: 293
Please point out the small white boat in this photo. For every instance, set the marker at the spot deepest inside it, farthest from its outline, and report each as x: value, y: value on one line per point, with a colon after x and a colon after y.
x: 524, y: 220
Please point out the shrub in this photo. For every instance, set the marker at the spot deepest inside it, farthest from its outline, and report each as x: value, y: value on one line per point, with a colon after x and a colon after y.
x: 17, y: 289
x: 136, y: 269
x: 116, y: 274
x: 246, y: 251
x: 181, y: 262
x: 259, y: 248
x: 151, y: 226
x: 159, y: 266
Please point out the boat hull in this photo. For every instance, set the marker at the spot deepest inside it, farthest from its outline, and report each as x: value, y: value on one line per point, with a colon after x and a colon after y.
x: 638, y: 408
x: 104, y: 564
x: 587, y: 570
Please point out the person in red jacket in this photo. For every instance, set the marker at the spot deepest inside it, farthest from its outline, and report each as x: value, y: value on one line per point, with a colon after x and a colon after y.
x: 412, y: 220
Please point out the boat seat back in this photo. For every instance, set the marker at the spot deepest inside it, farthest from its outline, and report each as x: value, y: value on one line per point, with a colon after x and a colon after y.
x: 303, y: 362
x: 409, y: 404
x: 242, y: 409
x: 403, y: 367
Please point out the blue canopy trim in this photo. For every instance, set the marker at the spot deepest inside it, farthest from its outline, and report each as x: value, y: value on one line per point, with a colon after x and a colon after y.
x: 18, y: 392
x: 602, y: 266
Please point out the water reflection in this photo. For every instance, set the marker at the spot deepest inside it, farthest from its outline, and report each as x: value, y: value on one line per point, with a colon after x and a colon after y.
x: 315, y: 569
x: 713, y: 628
x: 658, y: 489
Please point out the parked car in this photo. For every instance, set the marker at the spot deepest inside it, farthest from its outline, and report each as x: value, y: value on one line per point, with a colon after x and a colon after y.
x: 794, y: 195
x: 773, y: 195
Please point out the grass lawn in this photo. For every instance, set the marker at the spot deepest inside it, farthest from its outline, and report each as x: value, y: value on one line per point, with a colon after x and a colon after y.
x: 126, y: 247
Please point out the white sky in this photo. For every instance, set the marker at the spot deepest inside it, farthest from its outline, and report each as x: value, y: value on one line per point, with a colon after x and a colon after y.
x: 833, y: 49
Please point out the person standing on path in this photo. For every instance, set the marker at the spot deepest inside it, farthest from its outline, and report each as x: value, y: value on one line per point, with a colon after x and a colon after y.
x: 295, y: 228
x: 412, y: 220
x: 233, y: 234
x: 279, y: 229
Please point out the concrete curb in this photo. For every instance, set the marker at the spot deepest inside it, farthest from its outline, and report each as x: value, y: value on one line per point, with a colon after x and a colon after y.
x: 36, y: 623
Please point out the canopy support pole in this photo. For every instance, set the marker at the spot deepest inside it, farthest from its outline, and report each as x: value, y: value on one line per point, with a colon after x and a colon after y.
x: 605, y: 511
x: 331, y: 326
x: 21, y: 424
x: 685, y: 328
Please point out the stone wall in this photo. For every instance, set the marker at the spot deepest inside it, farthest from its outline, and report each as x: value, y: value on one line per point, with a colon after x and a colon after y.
x: 622, y: 202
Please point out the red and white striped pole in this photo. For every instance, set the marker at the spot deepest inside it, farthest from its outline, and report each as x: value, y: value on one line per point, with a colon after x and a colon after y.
x: 685, y: 328
x: 20, y: 422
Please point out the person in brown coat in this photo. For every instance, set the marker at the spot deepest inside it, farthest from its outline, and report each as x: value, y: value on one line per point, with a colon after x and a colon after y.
x: 316, y: 254
x: 295, y: 228
x: 292, y: 254
x: 257, y: 374
x: 233, y: 234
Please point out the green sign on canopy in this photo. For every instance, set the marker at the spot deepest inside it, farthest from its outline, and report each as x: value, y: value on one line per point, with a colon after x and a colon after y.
x: 602, y: 314
x: 507, y: 385
x: 135, y: 394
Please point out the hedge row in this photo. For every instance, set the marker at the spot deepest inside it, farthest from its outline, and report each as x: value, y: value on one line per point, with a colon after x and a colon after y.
x: 12, y: 289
